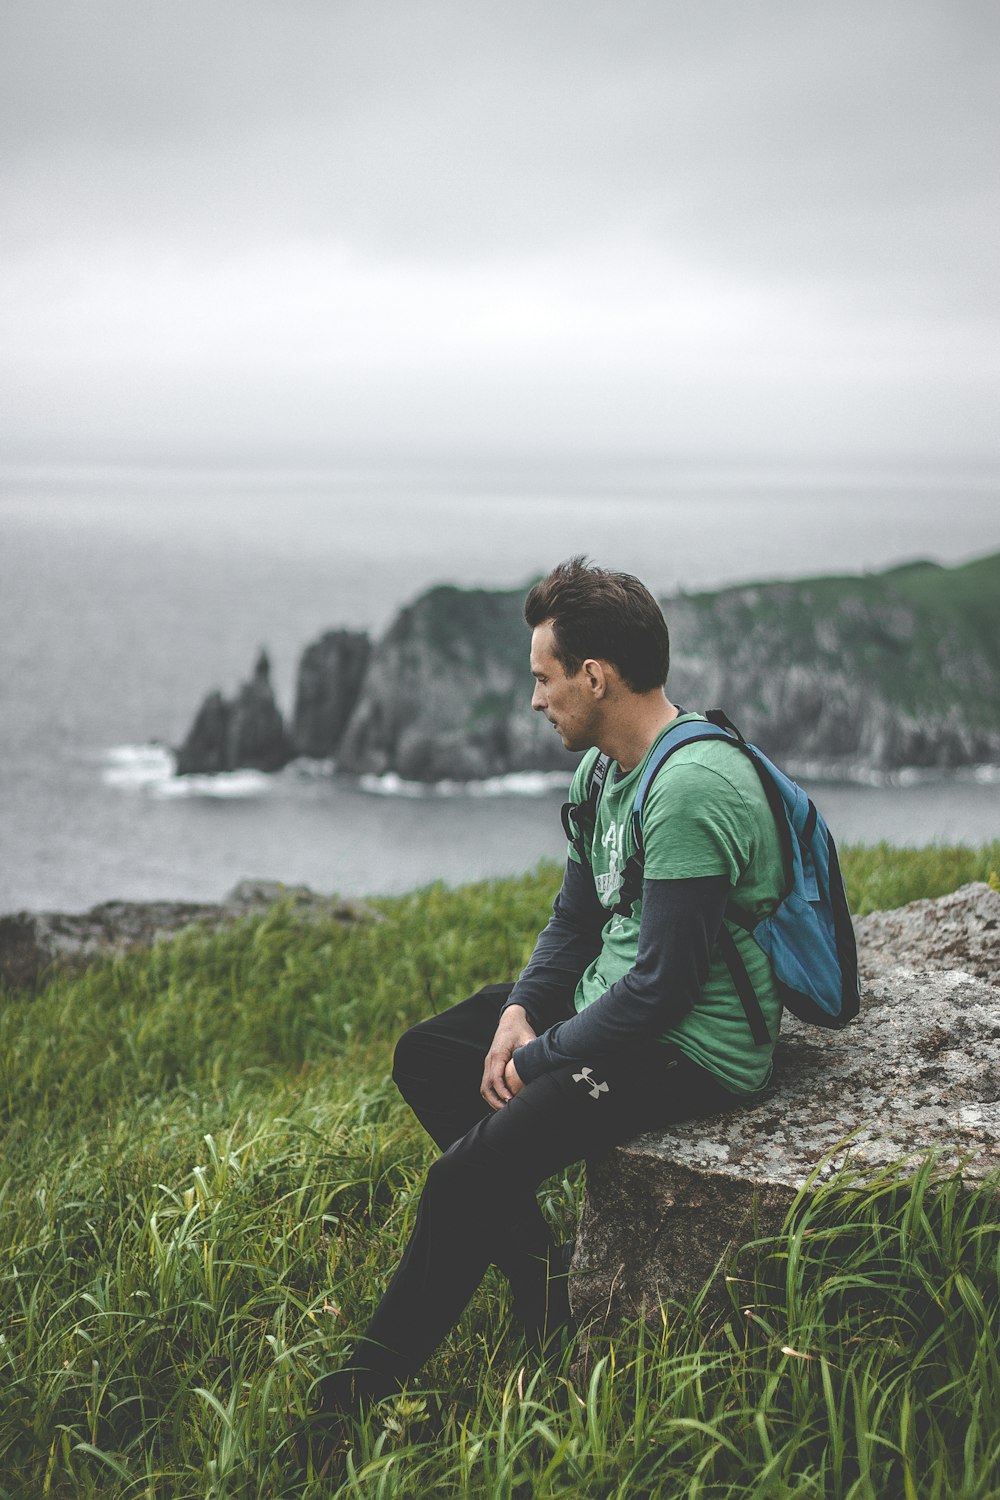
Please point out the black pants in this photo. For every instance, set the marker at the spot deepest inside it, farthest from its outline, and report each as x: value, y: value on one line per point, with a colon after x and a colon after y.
x: 478, y: 1204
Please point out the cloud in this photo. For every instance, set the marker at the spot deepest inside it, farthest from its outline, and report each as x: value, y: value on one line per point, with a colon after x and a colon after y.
x: 566, y: 218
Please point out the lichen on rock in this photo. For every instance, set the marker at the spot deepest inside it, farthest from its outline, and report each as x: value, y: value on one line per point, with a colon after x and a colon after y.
x: 957, y: 931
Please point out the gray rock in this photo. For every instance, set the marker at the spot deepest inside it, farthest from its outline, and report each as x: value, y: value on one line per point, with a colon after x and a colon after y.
x: 251, y: 897
x: 959, y: 931
x: 918, y: 1072
x: 835, y: 674
x: 244, y: 732
x: 830, y: 675
x: 36, y: 945
x: 206, y: 745
x: 331, y: 671
x: 447, y: 694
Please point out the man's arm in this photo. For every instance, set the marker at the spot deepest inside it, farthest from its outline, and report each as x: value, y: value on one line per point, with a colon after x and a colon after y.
x: 570, y: 940
x: 678, y: 928
x: 544, y: 992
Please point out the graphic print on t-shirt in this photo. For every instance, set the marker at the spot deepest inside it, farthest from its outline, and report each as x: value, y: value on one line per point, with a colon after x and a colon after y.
x: 608, y: 883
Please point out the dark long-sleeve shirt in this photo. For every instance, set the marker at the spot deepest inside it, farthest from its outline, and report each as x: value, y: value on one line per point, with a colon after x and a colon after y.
x: 678, y: 927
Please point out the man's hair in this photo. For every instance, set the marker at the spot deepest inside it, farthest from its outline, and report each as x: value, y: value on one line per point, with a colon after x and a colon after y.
x: 607, y: 616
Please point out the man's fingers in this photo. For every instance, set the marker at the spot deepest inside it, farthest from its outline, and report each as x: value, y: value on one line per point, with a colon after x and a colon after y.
x: 496, y: 1093
x: 493, y: 1089
x: 514, y: 1030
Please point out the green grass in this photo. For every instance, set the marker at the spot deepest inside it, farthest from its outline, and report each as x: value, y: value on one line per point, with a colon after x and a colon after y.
x: 207, y: 1178
x: 880, y: 878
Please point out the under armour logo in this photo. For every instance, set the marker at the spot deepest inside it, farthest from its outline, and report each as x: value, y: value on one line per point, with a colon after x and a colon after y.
x: 596, y: 1089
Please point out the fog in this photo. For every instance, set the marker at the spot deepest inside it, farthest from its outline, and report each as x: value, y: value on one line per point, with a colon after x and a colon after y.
x: 287, y: 233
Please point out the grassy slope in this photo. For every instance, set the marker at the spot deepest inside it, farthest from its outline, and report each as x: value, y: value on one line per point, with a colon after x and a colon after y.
x: 207, y: 1177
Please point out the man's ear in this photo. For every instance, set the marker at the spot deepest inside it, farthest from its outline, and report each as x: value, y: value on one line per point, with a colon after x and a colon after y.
x: 596, y: 675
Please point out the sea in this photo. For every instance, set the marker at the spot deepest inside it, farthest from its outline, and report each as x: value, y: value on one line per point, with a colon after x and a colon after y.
x: 127, y: 593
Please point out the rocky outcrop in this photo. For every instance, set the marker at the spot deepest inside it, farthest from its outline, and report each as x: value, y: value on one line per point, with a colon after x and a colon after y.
x: 36, y: 945
x: 958, y: 931
x: 838, y: 675
x: 882, y: 671
x: 918, y: 1072
x: 245, y: 731
x: 331, y: 671
x: 446, y: 694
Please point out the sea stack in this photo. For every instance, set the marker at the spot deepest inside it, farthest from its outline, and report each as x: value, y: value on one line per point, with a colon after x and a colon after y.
x: 243, y: 732
x: 331, y: 671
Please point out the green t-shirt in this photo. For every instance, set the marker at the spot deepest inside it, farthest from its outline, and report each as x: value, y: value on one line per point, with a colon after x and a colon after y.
x: 704, y: 814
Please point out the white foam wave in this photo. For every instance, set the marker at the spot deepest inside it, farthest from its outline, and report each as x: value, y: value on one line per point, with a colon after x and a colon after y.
x: 152, y: 769
x: 840, y: 773
x: 835, y: 772
x: 226, y: 785
x: 520, y: 784
x: 137, y: 765
x: 858, y: 774
x: 516, y: 784
x: 391, y: 785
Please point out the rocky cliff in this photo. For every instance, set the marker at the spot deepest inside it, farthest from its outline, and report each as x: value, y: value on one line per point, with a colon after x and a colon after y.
x: 446, y: 694
x: 880, y: 671
x: 249, y: 731
x: 886, y: 670
x: 331, y: 672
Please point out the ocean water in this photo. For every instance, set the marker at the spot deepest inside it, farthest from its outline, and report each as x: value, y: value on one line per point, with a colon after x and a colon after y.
x: 125, y: 595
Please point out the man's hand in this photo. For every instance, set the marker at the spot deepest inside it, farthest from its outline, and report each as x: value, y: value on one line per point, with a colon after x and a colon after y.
x: 514, y: 1030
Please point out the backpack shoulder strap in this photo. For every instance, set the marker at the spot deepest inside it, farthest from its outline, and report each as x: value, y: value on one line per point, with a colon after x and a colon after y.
x: 717, y: 726
x: 578, y: 818
x: 674, y: 739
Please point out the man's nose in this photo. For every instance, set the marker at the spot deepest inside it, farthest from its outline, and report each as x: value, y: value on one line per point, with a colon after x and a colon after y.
x: 538, y: 698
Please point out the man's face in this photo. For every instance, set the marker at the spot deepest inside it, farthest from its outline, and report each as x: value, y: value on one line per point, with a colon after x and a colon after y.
x: 567, y: 702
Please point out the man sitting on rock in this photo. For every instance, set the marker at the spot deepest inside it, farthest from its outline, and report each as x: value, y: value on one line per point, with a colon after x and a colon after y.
x: 623, y: 1020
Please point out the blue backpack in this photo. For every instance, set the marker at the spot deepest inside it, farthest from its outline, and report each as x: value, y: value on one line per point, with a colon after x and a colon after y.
x: 808, y: 937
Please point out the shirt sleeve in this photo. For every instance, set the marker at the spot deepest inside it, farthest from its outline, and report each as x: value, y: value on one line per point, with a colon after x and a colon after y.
x: 570, y: 940
x: 679, y: 925
x: 695, y: 822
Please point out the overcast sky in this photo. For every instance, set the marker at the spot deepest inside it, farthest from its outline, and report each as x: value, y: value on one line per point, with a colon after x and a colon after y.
x: 291, y: 231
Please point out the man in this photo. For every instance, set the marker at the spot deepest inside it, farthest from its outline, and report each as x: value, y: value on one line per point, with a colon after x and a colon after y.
x: 623, y: 1020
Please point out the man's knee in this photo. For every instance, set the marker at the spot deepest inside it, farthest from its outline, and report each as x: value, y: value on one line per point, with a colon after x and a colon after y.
x: 447, y: 1050
x: 410, y: 1061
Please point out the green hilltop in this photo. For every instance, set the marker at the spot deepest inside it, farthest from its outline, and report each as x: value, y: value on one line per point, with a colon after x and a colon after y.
x: 208, y: 1177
